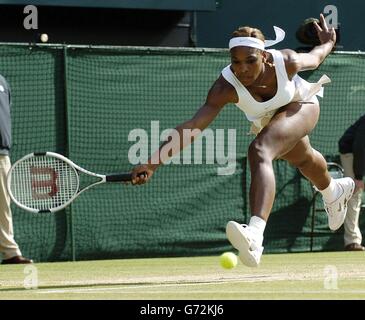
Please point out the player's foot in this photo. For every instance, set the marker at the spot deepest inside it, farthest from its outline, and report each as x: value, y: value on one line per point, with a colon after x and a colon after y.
x: 336, y: 210
x: 246, y: 241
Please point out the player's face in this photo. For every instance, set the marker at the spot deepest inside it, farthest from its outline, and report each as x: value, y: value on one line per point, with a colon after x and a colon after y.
x: 246, y: 63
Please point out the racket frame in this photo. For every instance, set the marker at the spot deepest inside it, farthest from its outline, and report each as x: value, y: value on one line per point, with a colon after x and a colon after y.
x: 75, y: 167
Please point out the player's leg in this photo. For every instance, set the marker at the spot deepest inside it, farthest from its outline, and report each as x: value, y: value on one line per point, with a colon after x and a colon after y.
x: 310, y: 162
x: 336, y: 192
x: 288, y: 126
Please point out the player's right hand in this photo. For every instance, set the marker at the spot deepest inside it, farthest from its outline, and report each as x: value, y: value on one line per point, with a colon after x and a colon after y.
x: 142, y: 173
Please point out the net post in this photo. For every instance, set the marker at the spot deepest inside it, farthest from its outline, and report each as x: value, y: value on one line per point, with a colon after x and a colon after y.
x: 244, y: 188
x: 68, y: 139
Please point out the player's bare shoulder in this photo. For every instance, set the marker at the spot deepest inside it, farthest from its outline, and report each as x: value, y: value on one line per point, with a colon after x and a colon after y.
x: 291, y: 61
x: 222, y: 92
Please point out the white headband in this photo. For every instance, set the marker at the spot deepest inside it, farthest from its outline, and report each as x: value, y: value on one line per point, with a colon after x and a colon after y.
x: 257, y: 43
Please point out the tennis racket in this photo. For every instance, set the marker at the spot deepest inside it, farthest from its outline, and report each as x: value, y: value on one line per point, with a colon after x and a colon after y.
x: 49, y: 182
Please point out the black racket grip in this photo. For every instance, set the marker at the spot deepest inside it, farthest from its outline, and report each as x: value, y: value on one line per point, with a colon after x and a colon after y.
x: 121, y: 177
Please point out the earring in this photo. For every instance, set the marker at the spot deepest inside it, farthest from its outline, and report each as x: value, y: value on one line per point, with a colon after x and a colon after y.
x: 269, y: 63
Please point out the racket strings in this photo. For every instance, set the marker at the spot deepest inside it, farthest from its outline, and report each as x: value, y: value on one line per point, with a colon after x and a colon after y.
x: 43, y: 182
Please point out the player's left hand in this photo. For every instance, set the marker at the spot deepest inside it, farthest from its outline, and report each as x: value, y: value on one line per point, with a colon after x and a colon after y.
x: 359, y: 185
x: 324, y: 34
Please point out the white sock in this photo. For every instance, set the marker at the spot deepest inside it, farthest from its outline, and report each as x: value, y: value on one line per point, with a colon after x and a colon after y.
x: 332, y: 192
x: 258, y: 225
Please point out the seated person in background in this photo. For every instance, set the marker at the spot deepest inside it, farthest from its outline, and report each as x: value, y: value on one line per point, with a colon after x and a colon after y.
x: 352, y: 153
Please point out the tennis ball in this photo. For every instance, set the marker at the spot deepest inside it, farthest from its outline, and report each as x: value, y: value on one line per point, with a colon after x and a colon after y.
x: 228, y: 260
x: 44, y: 37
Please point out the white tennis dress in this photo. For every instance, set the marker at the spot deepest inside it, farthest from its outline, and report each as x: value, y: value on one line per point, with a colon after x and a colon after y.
x: 260, y: 113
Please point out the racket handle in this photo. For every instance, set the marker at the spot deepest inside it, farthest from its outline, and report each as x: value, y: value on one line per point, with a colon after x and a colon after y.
x: 120, y: 177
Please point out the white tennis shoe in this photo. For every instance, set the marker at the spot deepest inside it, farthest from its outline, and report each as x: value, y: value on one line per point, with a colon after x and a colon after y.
x: 246, y: 241
x: 336, y: 210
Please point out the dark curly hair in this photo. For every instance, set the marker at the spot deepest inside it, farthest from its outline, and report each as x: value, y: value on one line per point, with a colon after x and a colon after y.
x: 247, y: 31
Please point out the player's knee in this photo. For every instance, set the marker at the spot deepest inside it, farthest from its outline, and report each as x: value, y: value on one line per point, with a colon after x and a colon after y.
x: 259, y: 151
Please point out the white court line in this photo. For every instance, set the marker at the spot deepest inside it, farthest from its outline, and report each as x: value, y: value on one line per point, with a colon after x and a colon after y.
x: 124, y: 286
x: 157, y: 285
x: 127, y: 290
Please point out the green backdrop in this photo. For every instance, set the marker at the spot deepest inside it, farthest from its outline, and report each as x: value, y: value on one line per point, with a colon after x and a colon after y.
x: 84, y: 101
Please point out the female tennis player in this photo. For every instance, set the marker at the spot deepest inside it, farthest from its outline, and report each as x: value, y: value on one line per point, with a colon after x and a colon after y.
x: 283, y: 109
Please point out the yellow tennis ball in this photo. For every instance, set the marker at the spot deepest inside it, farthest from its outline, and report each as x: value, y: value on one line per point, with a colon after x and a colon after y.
x: 228, y: 260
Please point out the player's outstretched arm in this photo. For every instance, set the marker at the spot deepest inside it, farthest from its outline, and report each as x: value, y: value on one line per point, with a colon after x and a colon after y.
x: 219, y: 95
x: 296, y: 62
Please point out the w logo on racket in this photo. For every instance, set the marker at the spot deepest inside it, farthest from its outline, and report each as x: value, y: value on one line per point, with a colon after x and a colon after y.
x: 44, y: 182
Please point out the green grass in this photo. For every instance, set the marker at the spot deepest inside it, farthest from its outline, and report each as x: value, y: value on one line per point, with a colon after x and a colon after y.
x: 335, y: 275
